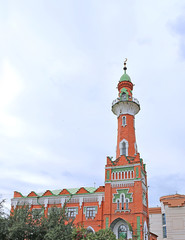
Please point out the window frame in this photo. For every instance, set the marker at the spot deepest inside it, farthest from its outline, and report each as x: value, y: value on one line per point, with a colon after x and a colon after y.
x: 71, y: 212
x: 125, y: 149
x: 124, y: 121
x: 90, y: 212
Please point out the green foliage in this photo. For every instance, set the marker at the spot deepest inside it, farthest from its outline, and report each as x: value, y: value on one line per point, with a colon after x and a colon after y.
x: 82, y: 234
x: 33, y: 225
x: 105, y: 234
x: 25, y: 224
x: 58, y: 226
x: 3, y: 222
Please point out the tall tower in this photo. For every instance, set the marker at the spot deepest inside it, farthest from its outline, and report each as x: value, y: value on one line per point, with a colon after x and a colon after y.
x: 126, y: 195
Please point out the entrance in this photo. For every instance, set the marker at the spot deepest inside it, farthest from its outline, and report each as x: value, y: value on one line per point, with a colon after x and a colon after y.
x: 121, y: 228
x: 122, y: 232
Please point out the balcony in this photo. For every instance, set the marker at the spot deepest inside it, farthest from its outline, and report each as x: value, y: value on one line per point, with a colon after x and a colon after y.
x: 118, y: 100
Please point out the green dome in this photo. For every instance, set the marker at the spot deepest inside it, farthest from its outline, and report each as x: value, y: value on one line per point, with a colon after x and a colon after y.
x: 125, y: 77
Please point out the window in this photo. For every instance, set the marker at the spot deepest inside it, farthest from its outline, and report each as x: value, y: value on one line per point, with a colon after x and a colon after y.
x: 90, y: 212
x: 118, y: 205
x: 123, y: 97
x: 37, y: 213
x: 164, y: 232
x: 123, y: 149
x: 123, y: 146
x: 126, y: 204
x: 71, y: 212
x: 122, y: 232
x: 55, y: 210
x: 164, y: 225
x: 124, y: 121
x: 122, y: 202
x: 163, y: 219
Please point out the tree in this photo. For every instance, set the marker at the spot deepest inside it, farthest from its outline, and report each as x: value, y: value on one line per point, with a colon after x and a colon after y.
x: 59, y: 227
x: 81, y: 233
x: 104, y: 234
x: 3, y: 222
x: 25, y: 224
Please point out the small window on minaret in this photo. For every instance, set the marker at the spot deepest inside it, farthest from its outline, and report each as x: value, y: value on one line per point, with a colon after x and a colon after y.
x: 123, y: 149
x: 123, y: 96
x: 124, y: 121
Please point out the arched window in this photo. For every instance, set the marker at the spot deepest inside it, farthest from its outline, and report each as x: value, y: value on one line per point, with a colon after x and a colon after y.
x: 123, y: 96
x: 117, y: 204
x: 122, y: 202
x: 124, y: 121
x: 126, y: 204
x: 122, y: 232
x: 123, y: 146
x: 123, y: 149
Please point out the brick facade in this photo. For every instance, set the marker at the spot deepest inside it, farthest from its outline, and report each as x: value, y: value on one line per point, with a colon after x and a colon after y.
x: 122, y: 204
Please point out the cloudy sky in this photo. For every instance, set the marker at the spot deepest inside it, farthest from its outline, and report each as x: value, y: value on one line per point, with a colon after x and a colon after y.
x: 60, y: 62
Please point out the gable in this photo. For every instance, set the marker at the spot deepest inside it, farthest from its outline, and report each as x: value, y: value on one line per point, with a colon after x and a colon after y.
x: 81, y: 191
x: 100, y: 189
x: 47, y: 193
x: 32, y: 194
x: 17, y: 194
x: 64, y: 191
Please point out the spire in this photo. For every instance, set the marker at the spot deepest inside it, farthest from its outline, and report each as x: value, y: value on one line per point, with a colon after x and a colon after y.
x: 125, y: 76
x: 125, y: 67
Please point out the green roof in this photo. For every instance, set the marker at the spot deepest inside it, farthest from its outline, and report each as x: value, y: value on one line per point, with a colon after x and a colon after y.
x: 56, y: 192
x: 70, y: 190
x: 125, y: 77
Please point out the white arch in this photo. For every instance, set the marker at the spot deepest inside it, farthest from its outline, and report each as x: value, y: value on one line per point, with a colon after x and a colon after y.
x: 90, y: 229
x: 124, y: 141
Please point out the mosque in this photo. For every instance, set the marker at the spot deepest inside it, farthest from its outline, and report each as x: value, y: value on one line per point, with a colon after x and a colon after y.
x: 122, y: 203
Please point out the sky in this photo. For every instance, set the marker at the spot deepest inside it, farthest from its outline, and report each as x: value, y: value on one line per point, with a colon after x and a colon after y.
x: 60, y: 63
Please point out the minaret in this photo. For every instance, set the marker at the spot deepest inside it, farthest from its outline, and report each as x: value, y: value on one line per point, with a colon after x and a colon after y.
x: 125, y: 107
x: 126, y: 194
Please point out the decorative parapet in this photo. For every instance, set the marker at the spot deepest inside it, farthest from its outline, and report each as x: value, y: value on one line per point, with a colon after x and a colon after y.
x: 119, y: 100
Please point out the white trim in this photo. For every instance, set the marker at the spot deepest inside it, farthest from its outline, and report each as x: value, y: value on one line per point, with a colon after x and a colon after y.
x: 131, y: 165
x: 136, y: 150
x: 89, y: 227
x: 100, y: 199
x: 62, y: 201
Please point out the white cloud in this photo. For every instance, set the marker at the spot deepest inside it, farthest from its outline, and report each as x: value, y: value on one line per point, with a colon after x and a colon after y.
x: 58, y: 77
x: 11, y: 87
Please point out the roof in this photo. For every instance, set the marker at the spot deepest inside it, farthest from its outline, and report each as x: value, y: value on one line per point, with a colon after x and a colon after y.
x: 64, y: 191
x: 154, y: 210
x: 176, y: 200
x: 125, y: 77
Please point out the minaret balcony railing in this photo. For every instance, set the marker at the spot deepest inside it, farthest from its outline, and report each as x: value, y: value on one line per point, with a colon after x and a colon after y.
x: 121, y: 100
